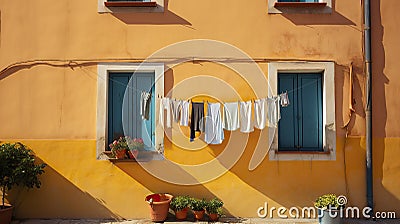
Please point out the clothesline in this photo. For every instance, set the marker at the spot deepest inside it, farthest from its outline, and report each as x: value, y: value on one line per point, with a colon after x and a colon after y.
x: 234, y: 115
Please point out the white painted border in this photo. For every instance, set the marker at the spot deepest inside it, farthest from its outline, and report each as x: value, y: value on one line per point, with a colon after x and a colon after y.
x: 329, y: 132
x: 101, y: 8
x: 273, y: 10
x: 103, y: 70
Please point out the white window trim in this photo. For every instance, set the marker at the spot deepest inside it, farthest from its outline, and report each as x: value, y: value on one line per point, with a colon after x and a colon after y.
x: 101, y: 8
x: 329, y: 131
x: 103, y: 70
x: 273, y: 10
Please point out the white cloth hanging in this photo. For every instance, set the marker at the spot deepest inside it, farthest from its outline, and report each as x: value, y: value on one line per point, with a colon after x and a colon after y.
x: 260, y: 113
x: 273, y: 114
x: 165, y: 105
x: 214, y: 134
x: 145, y: 101
x: 284, y: 98
x: 231, y: 116
x: 176, y: 109
x: 246, y: 123
x: 184, y: 113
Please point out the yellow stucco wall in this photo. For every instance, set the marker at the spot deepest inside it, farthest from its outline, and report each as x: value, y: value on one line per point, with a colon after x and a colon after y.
x: 52, y: 108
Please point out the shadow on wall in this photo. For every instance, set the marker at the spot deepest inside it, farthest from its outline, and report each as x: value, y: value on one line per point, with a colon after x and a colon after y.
x: 58, y: 198
x: 333, y: 18
x: 156, y: 185
x: 166, y: 17
x: 383, y: 147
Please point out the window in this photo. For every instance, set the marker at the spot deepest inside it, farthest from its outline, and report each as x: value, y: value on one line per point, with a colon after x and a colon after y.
x: 130, y: 3
x: 300, y: 127
x: 124, y: 90
x: 117, y: 6
x: 297, y: 0
x: 299, y: 6
x: 118, y: 104
x: 307, y: 129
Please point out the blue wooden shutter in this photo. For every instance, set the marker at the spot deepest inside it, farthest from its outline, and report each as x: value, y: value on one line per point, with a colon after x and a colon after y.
x: 310, y: 111
x: 300, y: 127
x: 288, y: 125
x: 124, y: 116
x: 145, y: 129
x: 117, y: 85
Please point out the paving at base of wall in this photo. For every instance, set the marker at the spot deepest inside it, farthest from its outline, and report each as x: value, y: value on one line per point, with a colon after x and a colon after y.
x: 222, y: 220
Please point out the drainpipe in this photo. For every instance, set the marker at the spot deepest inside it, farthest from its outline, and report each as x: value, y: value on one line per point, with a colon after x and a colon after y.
x: 368, y: 109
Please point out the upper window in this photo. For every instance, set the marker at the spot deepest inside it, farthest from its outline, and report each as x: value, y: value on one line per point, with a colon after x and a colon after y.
x: 130, y: 6
x: 130, y: 3
x: 307, y: 129
x: 297, y: 0
x: 299, y: 6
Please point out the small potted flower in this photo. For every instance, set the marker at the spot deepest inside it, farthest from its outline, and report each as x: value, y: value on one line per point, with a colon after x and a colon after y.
x: 180, y: 205
x: 135, y: 146
x: 214, y: 209
x: 197, y: 206
x: 329, y: 207
x: 120, y: 147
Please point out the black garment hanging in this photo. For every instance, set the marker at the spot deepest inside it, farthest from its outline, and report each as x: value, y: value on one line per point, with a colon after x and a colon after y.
x: 197, y: 119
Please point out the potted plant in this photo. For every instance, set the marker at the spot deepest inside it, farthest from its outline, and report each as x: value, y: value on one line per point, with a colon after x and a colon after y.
x: 120, y: 147
x: 17, y: 167
x: 197, y: 206
x: 158, y: 205
x: 135, y: 146
x: 214, y: 208
x: 329, y: 210
x: 180, y: 205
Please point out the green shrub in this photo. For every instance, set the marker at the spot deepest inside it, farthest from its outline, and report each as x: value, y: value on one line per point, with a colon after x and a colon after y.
x: 17, y: 167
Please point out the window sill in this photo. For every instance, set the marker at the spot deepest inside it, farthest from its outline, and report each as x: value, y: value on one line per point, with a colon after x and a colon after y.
x: 303, y: 152
x: 300, y: 4
x: 142, y: 157
x: 130, y: 4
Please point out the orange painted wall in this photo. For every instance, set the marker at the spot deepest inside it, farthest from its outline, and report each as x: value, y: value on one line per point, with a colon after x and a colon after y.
x: 52, y: 108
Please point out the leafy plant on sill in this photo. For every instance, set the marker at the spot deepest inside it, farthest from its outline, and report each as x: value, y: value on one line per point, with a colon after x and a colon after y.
x: 127, y: 143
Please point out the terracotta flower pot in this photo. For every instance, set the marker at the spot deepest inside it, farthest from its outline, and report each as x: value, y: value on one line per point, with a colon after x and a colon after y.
x: 6, y: 214
x: 159, y: 206
x: 198, y: 214
x: 213, y: 217
x: 181, y: 214
x: 133, y: 153
x: 120, y: 154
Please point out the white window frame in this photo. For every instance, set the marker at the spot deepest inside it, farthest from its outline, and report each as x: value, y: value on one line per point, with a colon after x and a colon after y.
x: 101, y: 8
x: 273, y: 10
x: 104, y: 69
x: 328, y: 91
